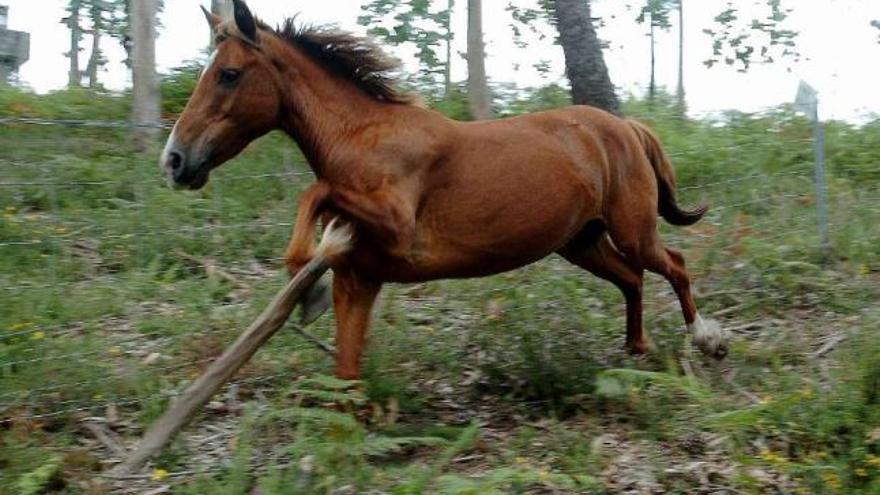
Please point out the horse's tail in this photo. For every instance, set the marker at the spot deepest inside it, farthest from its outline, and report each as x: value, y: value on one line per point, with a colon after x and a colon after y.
x: 666, y: 204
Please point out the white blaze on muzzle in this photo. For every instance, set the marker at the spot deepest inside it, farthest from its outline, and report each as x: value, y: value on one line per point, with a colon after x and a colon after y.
x: 163, y: 158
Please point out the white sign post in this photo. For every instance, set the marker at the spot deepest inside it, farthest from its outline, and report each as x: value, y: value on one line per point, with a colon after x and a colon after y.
x: 807, y: 102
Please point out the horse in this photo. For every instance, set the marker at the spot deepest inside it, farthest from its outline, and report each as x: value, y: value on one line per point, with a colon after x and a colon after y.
x: 429, y: 197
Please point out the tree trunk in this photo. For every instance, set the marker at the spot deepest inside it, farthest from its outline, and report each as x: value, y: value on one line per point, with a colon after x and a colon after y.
x: 584, y: 63
x: 447, y: 72
x: 74, y: 77
x: 478, y: 87
x: 95, y: 58
x: 679, y: 92
x: 146, y: 106
x: 652, y: 87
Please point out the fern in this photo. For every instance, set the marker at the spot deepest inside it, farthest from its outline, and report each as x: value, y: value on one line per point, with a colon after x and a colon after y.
x: 505, y: 480
x: 376, y: 446
x: 349, y: 397
x: 36, y: 481
x: 464, y: 442
x: 323, y: 418
x: 328, y: 382
x: 668, y: 381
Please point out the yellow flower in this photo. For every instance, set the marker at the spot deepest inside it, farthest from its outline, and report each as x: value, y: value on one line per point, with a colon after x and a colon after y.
x: 873, y: 460
x: 159, y: 474
x: 38, y: 335
x: 114, y: 351
x: 61, y: 230
x: 831, y: 479
x: 520, y: 460
x: 772, y: 457
x: 861, y: 472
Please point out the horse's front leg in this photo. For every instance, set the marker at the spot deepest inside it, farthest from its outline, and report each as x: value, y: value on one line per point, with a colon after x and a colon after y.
x: 301, y: 249
x: 383, y: 214
x: 353, y: 299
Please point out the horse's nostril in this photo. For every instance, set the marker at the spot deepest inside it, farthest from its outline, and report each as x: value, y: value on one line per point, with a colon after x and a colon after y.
x: 175, y: 161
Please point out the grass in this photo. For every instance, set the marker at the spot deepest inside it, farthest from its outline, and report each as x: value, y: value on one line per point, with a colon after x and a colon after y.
x: 112, y: 301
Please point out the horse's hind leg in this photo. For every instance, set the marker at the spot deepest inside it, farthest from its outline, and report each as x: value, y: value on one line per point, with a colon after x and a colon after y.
x: 602, y: 259
x: 707, y: 334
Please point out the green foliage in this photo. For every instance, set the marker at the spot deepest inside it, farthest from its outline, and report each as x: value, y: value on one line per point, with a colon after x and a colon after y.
x: 454, y: 103
x: 39, y: 480
x: 530, y: 18
x: 514, y: 480
x: 739, y: 42
x: 331, y: 448
x: 177, y: 86
x: 516, y: 101
x: 420, y: 482
x: 418, y: 23
x: 827, y: 438
x: 656, y: 13
x: 76, y: 103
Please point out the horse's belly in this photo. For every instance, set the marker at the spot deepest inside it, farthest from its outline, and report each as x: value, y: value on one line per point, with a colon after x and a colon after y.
x: 470, y: 238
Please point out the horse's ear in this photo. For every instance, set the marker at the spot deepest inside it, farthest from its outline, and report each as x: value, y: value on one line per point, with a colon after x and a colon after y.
x: 213, y: 19
x: 245, y: 20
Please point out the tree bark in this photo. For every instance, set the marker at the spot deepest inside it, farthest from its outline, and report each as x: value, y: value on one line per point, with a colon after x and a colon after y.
x: 679, y: 92
x: 95, y: 58
x: 146, y: 106
x: 478, y: 87
x: 74, y: 76
x: 652, y: 87
x: 447, y: 72
x: 584, y: 63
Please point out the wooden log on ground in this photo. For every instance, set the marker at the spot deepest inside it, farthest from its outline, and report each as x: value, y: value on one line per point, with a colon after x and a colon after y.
x: 337, y: 239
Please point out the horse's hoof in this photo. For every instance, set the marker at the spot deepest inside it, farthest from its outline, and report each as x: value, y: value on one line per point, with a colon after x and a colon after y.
x: 709, y: 337
x: 638, y: 348
x: 315, y: 302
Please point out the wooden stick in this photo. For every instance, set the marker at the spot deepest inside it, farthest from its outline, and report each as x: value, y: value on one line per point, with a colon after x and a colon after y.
x: 270, y: 320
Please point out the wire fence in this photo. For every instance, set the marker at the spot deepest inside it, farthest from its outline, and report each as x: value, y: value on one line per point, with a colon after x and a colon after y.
x: 70, y: 251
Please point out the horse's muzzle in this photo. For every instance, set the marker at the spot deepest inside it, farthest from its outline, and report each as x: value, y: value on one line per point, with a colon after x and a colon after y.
x: 182, y: 173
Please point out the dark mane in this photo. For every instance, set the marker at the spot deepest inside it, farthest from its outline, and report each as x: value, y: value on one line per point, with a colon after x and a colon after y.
x: 357, y: 59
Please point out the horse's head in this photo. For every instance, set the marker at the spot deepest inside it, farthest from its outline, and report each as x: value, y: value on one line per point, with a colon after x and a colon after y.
x: 236, y: 100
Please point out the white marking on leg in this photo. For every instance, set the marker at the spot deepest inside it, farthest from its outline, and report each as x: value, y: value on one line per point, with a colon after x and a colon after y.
x: 708, y: 336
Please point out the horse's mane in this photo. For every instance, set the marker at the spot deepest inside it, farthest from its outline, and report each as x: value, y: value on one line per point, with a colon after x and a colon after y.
x: 354, y: 58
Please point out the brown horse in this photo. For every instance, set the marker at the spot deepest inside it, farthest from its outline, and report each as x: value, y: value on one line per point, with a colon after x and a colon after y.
x: 430, y: 197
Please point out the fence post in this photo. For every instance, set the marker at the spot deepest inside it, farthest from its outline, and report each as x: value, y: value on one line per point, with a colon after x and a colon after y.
x: 821, y: 190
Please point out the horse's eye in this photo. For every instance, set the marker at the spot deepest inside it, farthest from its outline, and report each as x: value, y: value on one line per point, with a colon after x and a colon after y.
x: 229, y: 76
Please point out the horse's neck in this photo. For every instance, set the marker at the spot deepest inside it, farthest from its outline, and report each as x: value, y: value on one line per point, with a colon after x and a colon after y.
x: 325, y: 114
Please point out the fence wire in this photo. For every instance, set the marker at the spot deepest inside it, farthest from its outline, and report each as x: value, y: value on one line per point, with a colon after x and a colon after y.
x: 34, y: 343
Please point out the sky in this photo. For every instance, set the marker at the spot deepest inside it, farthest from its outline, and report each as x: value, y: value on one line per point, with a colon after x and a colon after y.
x: 839, y: 49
